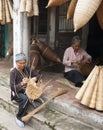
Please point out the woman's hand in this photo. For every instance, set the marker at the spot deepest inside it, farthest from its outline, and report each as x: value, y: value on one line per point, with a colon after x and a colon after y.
x: 24, y: 81
x: 74, y: 62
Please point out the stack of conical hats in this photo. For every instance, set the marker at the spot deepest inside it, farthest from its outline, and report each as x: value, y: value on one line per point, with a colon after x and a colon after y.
x: 91, y: 93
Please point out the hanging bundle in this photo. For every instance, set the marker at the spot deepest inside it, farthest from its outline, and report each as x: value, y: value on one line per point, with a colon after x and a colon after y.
x: 3, y: 21
x: 84, y: 11
x: 1, y: 10
x: 23, y: 6
x: 71, y: 9
x: 91, y: 93
x: 30, y: 7
x: 6, y: 11
x: 52, y: 3
x: 99, y: 14
x: 8, y: 19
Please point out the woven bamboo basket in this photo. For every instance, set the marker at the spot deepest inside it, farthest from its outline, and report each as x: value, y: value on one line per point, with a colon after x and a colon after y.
x: 35, y: 8
x: 1, y: 10
x: 29, y: 5
x: 71, y: 8
x: 47, y: 52
x: 84, y: 11
x: 23, y: 6
x: 34, y: 90
x: 8, y: 18
x: 82, y: 90
x: 93, y: 94
x: 100, y: 15
x: 34, y: 46
x: 3, y: 13
x: 52, y: 3
x: 10, y: 6
x: 90, y: 88
x: 99, y: 100
x: 92, y: 103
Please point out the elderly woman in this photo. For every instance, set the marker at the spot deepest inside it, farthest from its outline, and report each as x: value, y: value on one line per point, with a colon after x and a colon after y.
x: 73, y: 57
x: 19, y: 77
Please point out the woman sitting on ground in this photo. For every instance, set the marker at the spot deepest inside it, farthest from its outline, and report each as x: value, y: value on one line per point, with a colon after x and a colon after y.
x: 73, y: 57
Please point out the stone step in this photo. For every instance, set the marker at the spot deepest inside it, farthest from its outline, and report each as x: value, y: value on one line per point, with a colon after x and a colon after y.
x: 7, y: 121
x: 46, y: 119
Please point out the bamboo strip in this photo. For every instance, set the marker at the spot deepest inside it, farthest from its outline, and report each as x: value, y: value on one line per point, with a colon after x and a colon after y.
x: 8, y: 19
x: 3, y: 13
x: 1, y: 9
x: 71, y: 9
x: 10, y: 5
x: 99, y: 102
x: 29, y: 5
x: 89, y: 91
x: 35, y: 8
x: 82, y: 90
x: 23, y: 6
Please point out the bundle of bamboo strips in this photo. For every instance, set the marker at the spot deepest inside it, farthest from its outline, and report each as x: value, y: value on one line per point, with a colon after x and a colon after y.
x: 6, y: 11
x: 91, y: 93
x: 30, y: 7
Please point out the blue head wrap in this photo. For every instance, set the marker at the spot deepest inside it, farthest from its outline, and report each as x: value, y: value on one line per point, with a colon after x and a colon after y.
x: 20, y: 56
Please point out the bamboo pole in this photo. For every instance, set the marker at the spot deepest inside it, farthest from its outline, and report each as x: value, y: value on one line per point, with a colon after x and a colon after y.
x: 1, y: 9
x: 29, y: 115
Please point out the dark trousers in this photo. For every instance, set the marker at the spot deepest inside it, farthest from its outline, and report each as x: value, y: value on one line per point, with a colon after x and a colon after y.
x: 23, y: 102
x: 74, y: 76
